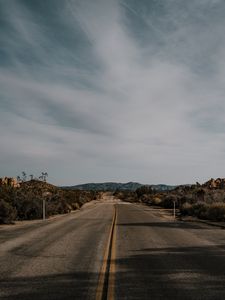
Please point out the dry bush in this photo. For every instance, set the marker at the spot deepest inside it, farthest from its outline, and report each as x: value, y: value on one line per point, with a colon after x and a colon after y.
x: 216, y: 211
x: 186, y: 209
x: 200, y: 209
x: 7, y: 212
x: 156, y: 201
x: 168, y: 201
x: 25, y: 203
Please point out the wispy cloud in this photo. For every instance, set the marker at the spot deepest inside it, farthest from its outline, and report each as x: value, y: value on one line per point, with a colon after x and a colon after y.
x: 113, y: 90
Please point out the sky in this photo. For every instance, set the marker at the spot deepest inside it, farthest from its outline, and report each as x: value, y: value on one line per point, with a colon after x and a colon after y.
x: 113, y: 90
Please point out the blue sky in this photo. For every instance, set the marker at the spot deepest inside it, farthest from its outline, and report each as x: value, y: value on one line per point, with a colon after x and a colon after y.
x: 113, y: 90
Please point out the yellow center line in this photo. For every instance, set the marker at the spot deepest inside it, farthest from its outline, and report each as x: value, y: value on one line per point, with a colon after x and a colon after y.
x: 106, y: 282
x: 112, y: 268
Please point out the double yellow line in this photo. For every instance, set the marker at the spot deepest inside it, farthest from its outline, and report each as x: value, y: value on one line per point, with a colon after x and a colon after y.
x: 106, y: 282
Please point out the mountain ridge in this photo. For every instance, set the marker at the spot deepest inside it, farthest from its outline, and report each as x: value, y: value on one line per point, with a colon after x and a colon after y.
x: 113, y: 186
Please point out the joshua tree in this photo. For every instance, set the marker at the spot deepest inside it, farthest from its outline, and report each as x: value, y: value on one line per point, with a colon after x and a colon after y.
x: 31, y: 177
x: 18, y: 178
x: 24, y: 176
x: 44, y: 175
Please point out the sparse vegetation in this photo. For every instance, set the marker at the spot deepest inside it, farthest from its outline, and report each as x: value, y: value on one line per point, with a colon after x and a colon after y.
x: 25, y: 201
x: 206, y: 201
x: 7, y: 212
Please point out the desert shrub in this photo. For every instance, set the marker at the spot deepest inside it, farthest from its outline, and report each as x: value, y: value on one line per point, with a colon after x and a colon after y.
x: 199, y: 209
x: 168, y: 201
x: 25, y: 202
x: 156, y: 201
x: 146, y: 198
x: 209, y: 197
x: 7, y: 212
x: 29, y: 208
x: 216, y: 211
x: 63, y: 207
x: 51, y: 208
x: 200, y: 194
x: 186, y: 209
x: 143, y: 190
x: 218, y: 195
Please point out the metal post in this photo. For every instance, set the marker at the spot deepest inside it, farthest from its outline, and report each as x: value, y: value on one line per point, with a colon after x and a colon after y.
x: 43, y: 209
x: 45, y: 196
x: 174, y: 209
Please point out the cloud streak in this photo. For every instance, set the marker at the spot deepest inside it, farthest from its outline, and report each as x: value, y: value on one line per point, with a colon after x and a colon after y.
x: 113, y: 90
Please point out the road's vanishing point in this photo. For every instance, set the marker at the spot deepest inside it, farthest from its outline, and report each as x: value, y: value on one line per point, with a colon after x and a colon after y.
x: 112, y: 250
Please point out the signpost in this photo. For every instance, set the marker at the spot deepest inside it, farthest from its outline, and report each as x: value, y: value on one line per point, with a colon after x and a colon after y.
x: 174, y: 209
x: 43, y: 208
x: 45, y: 195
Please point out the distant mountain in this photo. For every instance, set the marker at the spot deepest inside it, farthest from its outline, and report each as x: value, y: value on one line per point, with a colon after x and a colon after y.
x: 113, y: 186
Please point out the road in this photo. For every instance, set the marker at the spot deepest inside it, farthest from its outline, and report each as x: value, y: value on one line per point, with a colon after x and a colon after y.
x: 152, y: 256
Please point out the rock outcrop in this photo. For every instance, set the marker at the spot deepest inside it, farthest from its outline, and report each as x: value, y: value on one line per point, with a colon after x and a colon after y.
x: 218, y: 183
x: 9, y: 181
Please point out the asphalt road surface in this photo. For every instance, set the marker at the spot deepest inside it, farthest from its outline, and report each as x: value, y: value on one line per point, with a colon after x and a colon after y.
x: 155, y: 257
